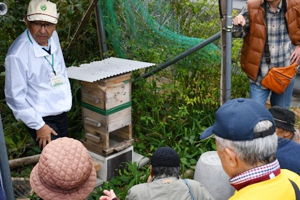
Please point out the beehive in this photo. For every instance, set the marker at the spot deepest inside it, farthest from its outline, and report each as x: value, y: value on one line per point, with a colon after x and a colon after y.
x: 106, y: 103
x: 106, y: 114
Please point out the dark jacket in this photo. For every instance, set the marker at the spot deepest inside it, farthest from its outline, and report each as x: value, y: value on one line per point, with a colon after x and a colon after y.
x: 168, y: 188
x: 287, y: 154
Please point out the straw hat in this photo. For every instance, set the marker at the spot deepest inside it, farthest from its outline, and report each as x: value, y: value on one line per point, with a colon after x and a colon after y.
x: 64, y: 171
x: 42, y: 10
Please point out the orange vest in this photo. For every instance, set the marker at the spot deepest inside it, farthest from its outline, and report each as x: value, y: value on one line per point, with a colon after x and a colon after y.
x: 254, y: 41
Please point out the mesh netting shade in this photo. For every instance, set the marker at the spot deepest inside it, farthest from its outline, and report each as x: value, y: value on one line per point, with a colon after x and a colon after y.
x: 146, y: 25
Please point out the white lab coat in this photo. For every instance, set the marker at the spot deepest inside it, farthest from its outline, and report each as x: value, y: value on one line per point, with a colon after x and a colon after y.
x: 28, y: 88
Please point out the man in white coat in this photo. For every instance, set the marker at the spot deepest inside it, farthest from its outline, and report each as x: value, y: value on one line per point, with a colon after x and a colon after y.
x: 37, y: 87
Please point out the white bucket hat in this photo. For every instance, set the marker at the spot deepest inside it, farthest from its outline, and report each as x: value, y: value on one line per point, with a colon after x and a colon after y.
x: 42, y: 10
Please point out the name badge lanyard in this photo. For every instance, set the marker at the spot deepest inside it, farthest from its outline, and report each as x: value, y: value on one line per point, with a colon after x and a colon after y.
x: 51, y: 64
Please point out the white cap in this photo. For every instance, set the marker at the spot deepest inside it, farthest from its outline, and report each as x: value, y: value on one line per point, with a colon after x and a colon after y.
x: 42, y: 10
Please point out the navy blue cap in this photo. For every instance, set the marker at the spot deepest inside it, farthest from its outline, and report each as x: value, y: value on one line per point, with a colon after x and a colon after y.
x: 236, y: 119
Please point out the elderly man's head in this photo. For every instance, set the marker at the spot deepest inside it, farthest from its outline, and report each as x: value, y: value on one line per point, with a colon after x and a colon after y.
x: 165, y: 162
x: 285, y: 121
x: 41, y: 19
x: 245, y: 135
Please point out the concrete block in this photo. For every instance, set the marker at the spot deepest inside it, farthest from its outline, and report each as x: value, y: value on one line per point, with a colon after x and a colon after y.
x: 209, y: 172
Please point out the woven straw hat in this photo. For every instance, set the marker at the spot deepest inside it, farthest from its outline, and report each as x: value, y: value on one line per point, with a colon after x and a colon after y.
x: 42, y: 10
x: 64, y: 171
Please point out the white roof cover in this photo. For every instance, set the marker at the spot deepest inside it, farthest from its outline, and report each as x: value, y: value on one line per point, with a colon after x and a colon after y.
x: 98, y: 70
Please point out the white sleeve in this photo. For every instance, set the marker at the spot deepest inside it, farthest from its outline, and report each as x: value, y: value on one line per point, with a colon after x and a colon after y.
x: 16, y: 92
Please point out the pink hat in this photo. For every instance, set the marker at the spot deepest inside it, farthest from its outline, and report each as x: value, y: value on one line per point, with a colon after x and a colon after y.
x: 64, y: 171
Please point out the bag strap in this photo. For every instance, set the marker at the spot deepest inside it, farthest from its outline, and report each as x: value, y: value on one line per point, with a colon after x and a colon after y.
x: 284, y: 6
x: 296, y: 189
x: 267, y: 50
x: 190, y: 189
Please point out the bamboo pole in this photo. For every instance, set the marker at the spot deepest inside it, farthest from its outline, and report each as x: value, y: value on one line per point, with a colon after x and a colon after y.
x: 24, y: 161
x: 82, y: 23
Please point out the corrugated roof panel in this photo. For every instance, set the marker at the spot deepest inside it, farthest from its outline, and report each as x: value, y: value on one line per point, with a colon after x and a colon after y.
x: 98, y: 70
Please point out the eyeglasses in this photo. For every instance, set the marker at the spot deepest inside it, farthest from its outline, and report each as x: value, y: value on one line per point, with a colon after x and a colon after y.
x: 40, y: 25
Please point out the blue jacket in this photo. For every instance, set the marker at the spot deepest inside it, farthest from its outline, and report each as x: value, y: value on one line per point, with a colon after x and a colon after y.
x: 288, y: 153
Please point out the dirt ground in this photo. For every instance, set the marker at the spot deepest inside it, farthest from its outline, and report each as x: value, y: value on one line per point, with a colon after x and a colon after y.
x: 296, y: 108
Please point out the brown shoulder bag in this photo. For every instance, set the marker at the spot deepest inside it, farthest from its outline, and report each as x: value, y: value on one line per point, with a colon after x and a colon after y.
x: 278, y: 78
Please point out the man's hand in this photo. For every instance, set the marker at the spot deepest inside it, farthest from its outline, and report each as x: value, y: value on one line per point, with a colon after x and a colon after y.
x: 44, y: 135
x: 109, y: 195
x: 239, y: 20
x: 295, y: 57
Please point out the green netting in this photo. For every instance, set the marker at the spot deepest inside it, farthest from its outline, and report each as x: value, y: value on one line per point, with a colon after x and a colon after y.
x: 136, y: 27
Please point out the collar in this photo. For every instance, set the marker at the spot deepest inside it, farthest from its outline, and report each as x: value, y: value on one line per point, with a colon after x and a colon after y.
x: 38, y: 51
x: 164, y: 177
x: 277, y: 9
x: 293, y: 135
x: 281, y: 140
x: 296, y: 137
x: 256, y: 175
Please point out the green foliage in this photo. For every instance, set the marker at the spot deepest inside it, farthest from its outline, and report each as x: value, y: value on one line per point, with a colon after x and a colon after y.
x: 175, y: 112
x: 199, y: 19
x: 149, y: 31
x: 240, y: 82
x: 11, y: 27
x: 75, y: 124
x: 127, y: 178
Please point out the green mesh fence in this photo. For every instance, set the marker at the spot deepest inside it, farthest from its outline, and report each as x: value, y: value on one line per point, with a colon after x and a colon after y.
x: 135, y: 28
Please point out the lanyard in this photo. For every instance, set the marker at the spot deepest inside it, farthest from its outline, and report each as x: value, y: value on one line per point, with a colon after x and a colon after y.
x: 51, y: 64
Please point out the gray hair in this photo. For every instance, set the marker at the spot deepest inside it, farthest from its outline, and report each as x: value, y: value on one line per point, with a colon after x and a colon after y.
x: 166, y: 171
x: 254, y: 151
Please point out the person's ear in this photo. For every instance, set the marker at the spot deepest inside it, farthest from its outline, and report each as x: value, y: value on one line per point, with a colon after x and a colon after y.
x: 26, y: 21
x: 151, y: 175
x: 231, y: 157
x: 287, y: 134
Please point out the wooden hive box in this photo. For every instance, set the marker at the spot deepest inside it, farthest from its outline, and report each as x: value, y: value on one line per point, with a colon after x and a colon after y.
x: 106, y: 114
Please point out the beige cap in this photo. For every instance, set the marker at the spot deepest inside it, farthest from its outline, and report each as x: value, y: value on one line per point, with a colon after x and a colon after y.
x: 42, y: 10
